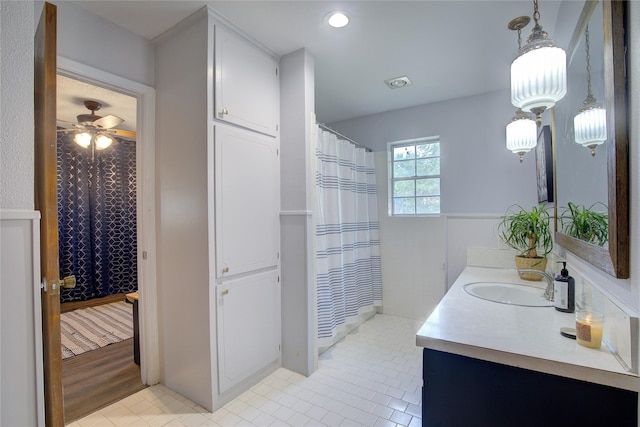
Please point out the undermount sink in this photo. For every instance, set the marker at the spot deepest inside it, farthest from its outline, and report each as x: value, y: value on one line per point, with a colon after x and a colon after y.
x: 508, y: 293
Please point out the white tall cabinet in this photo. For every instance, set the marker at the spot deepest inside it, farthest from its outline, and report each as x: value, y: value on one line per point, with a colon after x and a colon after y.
x: 218, y: 169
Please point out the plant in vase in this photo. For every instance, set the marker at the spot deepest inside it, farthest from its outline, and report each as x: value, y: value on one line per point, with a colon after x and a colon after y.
x: 529, y: 233
x: 586, y: 223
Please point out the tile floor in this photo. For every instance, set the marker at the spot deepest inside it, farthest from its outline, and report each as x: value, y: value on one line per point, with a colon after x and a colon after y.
x: 371, y: 378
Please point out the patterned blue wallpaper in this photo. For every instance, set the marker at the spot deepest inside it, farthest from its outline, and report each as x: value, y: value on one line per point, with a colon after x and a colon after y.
x: 97, y: 218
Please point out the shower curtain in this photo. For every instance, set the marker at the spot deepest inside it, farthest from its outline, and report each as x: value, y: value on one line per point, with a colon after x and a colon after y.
x: 348, y: 272
x: 97, y: 219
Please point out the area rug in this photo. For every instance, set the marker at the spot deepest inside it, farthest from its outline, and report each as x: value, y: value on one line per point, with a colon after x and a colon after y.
x: 94, y: 327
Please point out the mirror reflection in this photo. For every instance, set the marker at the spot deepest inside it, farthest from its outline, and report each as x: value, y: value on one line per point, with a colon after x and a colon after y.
x: 581, y: 170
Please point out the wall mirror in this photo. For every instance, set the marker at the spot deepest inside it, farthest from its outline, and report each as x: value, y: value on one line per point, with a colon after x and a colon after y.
x: 598, y: 183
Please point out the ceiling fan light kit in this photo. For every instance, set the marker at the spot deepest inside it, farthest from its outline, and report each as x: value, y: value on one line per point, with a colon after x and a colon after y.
x: 94, y: 131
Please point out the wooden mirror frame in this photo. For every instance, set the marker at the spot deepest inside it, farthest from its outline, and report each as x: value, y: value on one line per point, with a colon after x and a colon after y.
x: 615, y: 259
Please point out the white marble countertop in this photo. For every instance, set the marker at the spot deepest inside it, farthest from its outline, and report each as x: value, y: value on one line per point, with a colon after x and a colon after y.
x: 525, y: 337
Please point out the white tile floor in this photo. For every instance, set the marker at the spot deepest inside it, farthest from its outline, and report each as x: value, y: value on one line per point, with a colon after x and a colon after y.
x: 371, y: 378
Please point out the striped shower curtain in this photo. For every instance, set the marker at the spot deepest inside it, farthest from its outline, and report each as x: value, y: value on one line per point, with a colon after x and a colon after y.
x: 348, y: 272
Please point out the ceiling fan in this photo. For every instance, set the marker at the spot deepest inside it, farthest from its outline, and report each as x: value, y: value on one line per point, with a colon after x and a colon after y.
x: 97, y: 129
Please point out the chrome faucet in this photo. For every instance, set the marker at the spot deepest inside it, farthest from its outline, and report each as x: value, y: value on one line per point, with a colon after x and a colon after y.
x: 548, y: 293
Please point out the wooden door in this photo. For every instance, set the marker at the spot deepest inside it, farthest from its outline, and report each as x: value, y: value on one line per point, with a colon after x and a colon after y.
x: 46, y: 201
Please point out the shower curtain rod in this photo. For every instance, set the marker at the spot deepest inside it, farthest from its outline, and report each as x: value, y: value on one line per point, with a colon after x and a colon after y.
x: 336, y: 133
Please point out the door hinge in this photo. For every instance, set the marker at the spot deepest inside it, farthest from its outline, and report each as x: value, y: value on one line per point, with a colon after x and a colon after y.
x: 276, y: 71
x: 144, y: 254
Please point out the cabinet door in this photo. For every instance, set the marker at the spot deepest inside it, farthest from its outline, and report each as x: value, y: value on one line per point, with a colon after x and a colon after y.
x: 247, y: 226
x: 246, y: 84
x: 248, y: 326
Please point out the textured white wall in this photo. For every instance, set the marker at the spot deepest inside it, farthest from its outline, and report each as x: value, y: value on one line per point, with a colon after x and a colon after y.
x: 16, y: 105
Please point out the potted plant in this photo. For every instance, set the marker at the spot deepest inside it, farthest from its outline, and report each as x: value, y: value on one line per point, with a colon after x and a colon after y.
x: 529, y: 233
x: 585, y: 223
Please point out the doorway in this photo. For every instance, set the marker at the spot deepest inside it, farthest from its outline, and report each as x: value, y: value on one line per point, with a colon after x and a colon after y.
x: 108, y: 89
x: 97, y: 240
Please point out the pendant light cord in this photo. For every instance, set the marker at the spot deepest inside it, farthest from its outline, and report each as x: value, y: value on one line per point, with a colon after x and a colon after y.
x: 586, y: 44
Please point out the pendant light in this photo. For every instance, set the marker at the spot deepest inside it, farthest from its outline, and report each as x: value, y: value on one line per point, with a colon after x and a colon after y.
x: 590, y: 124
x: 539, y: 73
x: 521, y: 132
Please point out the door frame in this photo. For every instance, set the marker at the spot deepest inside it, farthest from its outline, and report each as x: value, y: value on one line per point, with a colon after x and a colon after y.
x: 146, y: 204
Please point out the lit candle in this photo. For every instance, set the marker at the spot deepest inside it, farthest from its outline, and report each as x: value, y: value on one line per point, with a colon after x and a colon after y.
x: 589, y: 329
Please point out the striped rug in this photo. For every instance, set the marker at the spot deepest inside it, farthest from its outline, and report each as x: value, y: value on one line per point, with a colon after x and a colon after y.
x: 94, y: 327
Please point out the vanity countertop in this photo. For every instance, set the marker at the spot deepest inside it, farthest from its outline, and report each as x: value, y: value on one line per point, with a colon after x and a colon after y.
x: 525, y: 337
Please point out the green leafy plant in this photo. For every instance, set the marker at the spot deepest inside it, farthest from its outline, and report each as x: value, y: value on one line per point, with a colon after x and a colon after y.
x: 585, y: 223
x: 527, y: 231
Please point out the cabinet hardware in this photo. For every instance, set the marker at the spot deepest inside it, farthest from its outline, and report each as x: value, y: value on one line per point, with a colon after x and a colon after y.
x: 225, y: 270
x: 225, y: 292
x: 223, y: 112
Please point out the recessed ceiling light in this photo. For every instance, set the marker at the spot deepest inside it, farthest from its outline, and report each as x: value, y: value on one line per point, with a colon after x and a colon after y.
x: 337, y: 19
x: 398, y: 82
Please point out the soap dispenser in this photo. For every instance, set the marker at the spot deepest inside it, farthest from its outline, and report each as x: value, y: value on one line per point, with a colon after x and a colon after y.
x: 564, y: 290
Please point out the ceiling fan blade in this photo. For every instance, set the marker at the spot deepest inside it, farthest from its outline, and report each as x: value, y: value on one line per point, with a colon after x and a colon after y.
x: 69, y: 130
x: 65, y: 123
x: 124, y: 133
x: 107, y: 122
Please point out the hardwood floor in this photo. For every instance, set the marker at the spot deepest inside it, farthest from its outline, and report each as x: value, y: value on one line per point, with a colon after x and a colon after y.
x: 98, y: 378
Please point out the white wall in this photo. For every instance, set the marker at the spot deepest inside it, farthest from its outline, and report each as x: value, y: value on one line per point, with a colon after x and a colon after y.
x: 299, y: 324
x: 479, y: 176
x: 184, y: 160
x: 412, y: 252
x: 478, y: 173
x: 94, y: 41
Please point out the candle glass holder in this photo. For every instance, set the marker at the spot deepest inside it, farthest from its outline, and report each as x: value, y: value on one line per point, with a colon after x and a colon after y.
x: 589, y: 327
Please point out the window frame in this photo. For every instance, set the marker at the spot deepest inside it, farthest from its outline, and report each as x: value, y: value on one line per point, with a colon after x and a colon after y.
x: 390, y: 178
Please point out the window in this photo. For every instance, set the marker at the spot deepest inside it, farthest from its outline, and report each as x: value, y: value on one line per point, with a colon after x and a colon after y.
x: 414, y: 177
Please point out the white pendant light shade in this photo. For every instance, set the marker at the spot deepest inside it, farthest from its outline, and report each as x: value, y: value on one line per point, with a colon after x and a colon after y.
x: 539, y: 73
x: 82, y: 139
x: 590, y: 126
x: 521, y: 134
x: 539, y: 78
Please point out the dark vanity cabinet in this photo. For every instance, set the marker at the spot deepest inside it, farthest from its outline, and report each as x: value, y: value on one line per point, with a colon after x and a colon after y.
x: 463, y: 391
